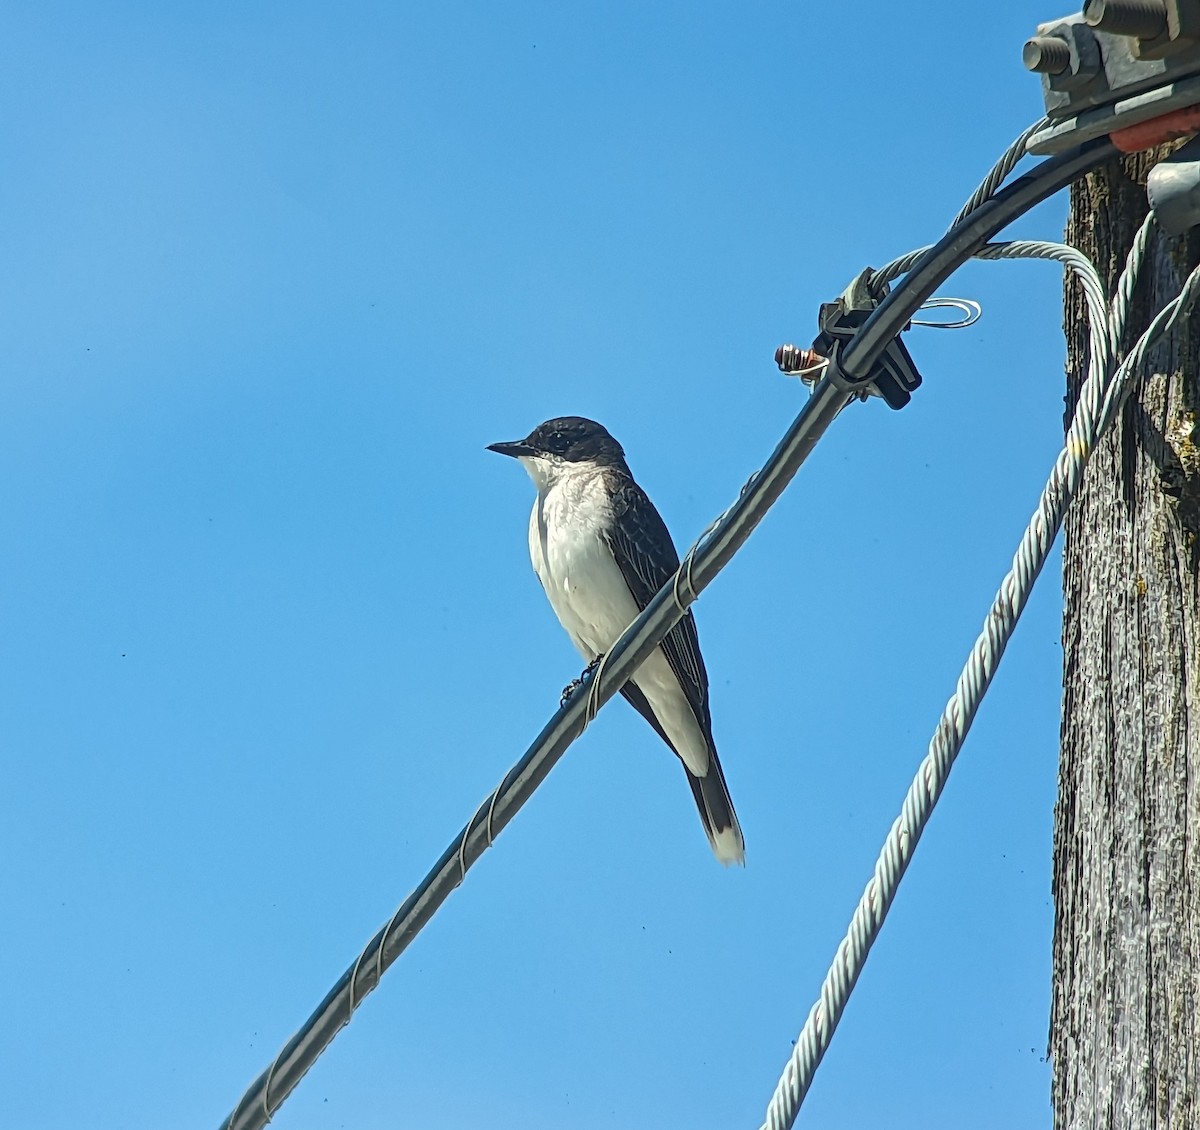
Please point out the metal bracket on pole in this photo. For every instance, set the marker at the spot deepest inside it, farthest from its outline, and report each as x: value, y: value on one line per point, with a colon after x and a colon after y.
x: 1116, y: 64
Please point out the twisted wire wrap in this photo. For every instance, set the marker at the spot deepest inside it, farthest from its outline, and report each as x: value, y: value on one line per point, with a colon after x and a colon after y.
x: 1100, y: 400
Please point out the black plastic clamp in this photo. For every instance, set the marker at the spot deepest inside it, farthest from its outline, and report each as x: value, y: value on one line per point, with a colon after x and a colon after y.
x: 894, y: 376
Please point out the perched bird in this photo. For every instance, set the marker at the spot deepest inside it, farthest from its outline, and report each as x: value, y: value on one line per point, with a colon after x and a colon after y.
x: 601, y: 551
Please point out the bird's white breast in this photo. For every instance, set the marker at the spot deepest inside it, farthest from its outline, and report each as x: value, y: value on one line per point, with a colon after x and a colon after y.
x: 588, y: 592
x: 574, y: 563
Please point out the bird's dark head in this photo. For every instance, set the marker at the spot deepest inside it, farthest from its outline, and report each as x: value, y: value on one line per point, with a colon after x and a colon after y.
x: 566, y: 439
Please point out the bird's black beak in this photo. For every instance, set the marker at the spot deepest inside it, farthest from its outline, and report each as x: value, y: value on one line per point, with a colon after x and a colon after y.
x: 516, y: 449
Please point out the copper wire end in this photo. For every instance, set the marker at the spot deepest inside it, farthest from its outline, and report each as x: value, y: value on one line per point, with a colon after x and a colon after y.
x: 797, y: 362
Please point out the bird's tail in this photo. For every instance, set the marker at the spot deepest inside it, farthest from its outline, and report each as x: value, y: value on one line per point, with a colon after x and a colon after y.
x: 716, y: 813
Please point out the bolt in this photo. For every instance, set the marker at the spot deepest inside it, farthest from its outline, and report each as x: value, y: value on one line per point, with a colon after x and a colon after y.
x: 1047, y: 54
x: 1144, y: 19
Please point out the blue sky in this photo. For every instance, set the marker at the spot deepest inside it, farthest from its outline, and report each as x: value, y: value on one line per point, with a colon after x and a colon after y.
x: 271, y: 277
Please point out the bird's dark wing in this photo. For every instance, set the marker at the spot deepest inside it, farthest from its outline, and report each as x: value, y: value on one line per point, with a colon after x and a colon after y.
x: 642, y: 547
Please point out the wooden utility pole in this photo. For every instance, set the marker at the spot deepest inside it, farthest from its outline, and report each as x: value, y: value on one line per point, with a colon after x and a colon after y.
x: 1125, y: 1017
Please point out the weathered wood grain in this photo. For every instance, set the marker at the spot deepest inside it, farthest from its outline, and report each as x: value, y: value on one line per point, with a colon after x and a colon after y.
x: 1124, y: 1023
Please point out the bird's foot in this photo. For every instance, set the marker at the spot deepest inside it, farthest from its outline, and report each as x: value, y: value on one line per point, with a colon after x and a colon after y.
x: 569, y: 690
x: 574, y: 685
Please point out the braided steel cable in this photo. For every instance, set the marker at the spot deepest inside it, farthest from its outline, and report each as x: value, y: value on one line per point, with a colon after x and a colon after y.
x: 1063, y: 253
x: 1000, y: 170
x: 1127, y: 375
x: 1119, y: 314
x: 1099, y: 401
x: 986, y: 190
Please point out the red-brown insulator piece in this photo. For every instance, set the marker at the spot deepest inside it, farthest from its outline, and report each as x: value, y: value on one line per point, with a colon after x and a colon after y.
x: 793, y: 359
